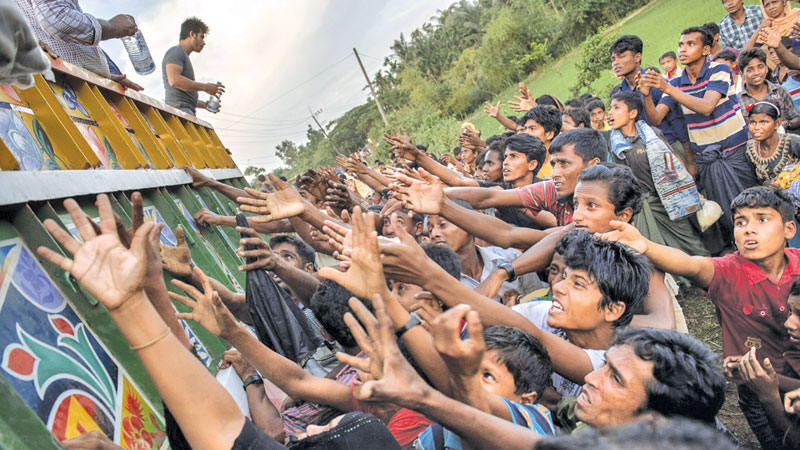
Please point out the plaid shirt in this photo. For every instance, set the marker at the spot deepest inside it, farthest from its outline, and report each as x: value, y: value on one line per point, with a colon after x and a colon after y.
x: 72, y: 34
x: 732, y: 34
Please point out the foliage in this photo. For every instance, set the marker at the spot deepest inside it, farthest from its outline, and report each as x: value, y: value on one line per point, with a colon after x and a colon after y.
x: 593, y: 62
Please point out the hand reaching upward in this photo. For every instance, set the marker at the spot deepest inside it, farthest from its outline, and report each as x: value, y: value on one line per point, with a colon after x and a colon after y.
x: 425, y: 196
x: 284, y: 203
x: 110, y: 272
x: 207, y: 308
x: 625, y: 233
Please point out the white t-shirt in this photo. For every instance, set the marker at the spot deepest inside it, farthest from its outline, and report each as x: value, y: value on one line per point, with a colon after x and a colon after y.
x: 537, y: 313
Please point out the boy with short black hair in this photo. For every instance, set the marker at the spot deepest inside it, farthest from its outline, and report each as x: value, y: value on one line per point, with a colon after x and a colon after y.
x: 545, y: 123
x: 669, y: 63
x: 749, y: 288
x: 575, y: 118
x: 597, y: 112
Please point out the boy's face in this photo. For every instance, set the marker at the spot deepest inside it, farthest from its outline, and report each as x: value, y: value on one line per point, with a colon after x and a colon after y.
x: 493, y: 167
x: 468, y: 155
x: 576, y: 303
x: 755, y: 72
x: 555, y: 271
x: 623, y: 64
x: 792, y: 324
x: 592, y: 208
x: 760, y: 233
x: 615, y: 393
x: 405, y: 293
x: 691, y: 48
x: 496, y: 378
x: 567, y: 123
x: 619, y: 114
x: 567, y: 165
x: 444, y: 232
x: 667, y: 64
x: 534, y: 128
x: 598, y: 117
x: 516, y: 166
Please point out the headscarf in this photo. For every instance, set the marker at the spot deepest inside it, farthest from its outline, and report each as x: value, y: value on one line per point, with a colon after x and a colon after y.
x: 785, y: 24
x: 356, y: 431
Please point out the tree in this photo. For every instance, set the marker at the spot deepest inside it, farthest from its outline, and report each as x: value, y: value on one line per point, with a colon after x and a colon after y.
x: 594, y: 61
x: 254, y: 172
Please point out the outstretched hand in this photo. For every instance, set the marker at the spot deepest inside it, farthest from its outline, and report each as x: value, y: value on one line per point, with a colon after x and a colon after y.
x: 265, y: 258
x: 110, y: 272
x: 525, y: 100
x: 284, y: 203
x: 177, y: 260
x: 463, y: 357
x: 207, y: 308
x: 625, y: 233
x: 393, y: 378
x: 405, y: 261
x: 492, y: 110
x: 426, y: 196
x: 762, y: 379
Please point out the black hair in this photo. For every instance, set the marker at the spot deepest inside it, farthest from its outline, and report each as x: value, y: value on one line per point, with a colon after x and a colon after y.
x: 589, y: 144
x: 530, y: 145
x: 329, y: 304
x: 304, y: 251
x: 767, y: 107
x: 726, y: 55
x: 623, y: 189
x: 765, y: 197
x: 795, y: 287
x: 354, y: 429
x: 669, y: 54
x: 654, y: 69
x: 512, y: 117
x: 632, y: 100
x: 626, y: 42
x: 192, y: 24
x: 580, y: 116
x: 708, y: 38
x: 712, y: 28
x: 462, y: 203
x: 687, y: 382
x: 549, y: 100
x: 574, y: 103
x: 655, y: 433
x: 456, y: 151
x: 423, y: 148
x: 621, y: 274
x: 748, y: 55
x: 445, y: 258
x: 494, y: 138
x: 481, y: 157
x: 595, y: 103
x: 585, y: 96
x: 523, y: 355
x: 548, y: 118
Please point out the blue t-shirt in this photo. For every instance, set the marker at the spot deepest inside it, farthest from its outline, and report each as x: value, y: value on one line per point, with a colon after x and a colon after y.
x: 792, y: 86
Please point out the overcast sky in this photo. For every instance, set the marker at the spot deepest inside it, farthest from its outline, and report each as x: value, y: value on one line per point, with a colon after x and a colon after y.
x: 276, y: 58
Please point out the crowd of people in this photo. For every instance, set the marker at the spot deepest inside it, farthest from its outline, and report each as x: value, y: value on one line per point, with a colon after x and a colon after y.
x: 520, y: 292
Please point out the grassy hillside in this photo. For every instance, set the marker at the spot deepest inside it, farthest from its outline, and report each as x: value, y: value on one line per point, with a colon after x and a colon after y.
x: 659, y: 25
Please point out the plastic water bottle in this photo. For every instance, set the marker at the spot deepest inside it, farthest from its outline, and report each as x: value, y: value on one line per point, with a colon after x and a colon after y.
x: 139, y: 53
x: 213, y: 102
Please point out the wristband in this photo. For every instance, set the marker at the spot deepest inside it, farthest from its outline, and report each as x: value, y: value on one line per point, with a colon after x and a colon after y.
x: 252, y: 379
x: 412, y: 322
x: 509, y: 270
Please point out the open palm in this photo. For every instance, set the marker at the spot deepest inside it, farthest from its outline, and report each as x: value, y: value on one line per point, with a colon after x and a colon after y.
x: 426, y: 196
x: 284, y: 203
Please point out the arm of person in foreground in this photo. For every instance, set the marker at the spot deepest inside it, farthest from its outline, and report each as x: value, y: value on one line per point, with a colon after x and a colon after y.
x: 200, y: 180
x: 407, y: 262
x: 208, y: 310
x: 205, y: 216
x: 482, y: 198
x: 114, y: 275
x: 262, y: 412
x: 657, y: 310
x: 394, y: 380
x: 698, y: 269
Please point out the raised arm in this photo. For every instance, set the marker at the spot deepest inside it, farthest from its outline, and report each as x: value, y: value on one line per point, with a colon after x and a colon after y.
x: 698, y: 269
x: 494, y: 111
x: 482, y: 198
x: 199, y: 180
x: 205, y: 216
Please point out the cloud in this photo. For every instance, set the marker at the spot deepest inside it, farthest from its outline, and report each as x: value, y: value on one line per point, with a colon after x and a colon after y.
x: 276, y: 59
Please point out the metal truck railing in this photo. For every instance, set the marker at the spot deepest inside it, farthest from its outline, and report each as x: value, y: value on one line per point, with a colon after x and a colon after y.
x: 65, y: 368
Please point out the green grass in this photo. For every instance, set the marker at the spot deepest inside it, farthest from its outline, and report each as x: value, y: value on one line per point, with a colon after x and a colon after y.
x: 658, y: 24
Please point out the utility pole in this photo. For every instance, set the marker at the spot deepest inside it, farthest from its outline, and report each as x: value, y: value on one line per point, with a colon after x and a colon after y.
x: 324, y: 133
x: 371, y: 89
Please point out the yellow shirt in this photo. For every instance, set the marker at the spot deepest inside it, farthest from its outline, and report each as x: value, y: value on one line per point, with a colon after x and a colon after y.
x: 546, y: 171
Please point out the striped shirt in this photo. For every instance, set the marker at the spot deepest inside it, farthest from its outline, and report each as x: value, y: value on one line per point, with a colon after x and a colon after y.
x: 725, y: 125
x: 542, y: 196
x: 793, y: 87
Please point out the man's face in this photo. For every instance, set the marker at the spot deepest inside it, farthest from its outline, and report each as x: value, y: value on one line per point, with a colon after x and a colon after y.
x: 516, y: 166
x: 567, y: 165
x: 619, y: 114
x: 760, y: 233
x: 598, y: 117
x: 493, y: 167
x: 468, y: 155
x: 576, y: 302
x: 593, y: 209
x: 615, y: 393
x: 567, y: 123
x: 755, y: 72
x: 288, y: 252
x: 534, y: 128
x: 774, y: 8
x: 668, y: 64
x: 691, y: 48
x: 625, y: 63
x: 444, y: 232
x: 792, y: 324
x: 555, y: 271
x: 732, y: 5
x: 198, y: 41
x: 405, y: 293
x: 403, y: 221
